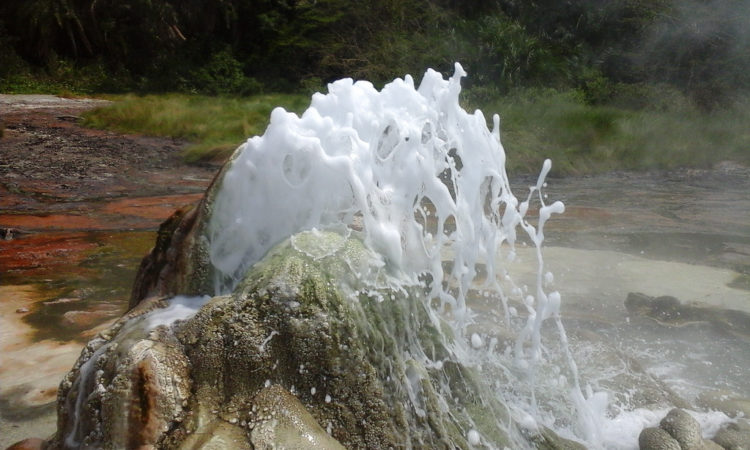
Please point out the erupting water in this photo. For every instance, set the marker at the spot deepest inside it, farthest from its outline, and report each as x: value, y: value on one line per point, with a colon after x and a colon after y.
x: 422, y: 183
x: 425, y: 181
x: 422, y: 176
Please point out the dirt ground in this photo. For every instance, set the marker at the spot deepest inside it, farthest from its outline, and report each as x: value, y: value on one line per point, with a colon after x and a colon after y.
x: 49, y: 165
x: 78, y: 209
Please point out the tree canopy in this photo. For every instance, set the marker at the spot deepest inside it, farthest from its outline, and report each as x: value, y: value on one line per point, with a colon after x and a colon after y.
x: 244, y: 46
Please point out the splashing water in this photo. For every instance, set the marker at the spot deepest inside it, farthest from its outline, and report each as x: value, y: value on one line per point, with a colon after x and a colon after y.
x: 419, y: 173
x: 425, y: 181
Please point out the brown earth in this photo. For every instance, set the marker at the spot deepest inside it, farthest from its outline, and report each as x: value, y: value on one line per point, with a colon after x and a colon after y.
x: 78, y: 209
x: 55, y: 174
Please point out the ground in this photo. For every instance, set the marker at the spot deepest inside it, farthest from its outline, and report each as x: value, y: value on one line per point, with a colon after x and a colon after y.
x: 51, y: 166
x: 78, y: 209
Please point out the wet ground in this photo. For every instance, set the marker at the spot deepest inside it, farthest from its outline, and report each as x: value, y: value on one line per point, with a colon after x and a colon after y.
x: 78, y: 210
x: 684, y: 234
x: 692, y: 216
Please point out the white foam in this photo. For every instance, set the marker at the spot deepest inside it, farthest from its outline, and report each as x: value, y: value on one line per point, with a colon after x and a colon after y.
x: 180, y: 307
x: 419, y: 173
x: 473, y: 437
x: 420, y: 179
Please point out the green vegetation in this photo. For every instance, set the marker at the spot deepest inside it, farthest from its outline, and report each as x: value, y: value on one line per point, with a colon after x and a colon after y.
x: 535, y: 124
x: 583, y: 138
x: 214, y: 125
x: 594, y: 84
x: 244, y: 47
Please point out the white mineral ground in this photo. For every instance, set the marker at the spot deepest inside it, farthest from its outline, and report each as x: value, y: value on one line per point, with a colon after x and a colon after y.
x: 598, y: 281
x: 30, y: 370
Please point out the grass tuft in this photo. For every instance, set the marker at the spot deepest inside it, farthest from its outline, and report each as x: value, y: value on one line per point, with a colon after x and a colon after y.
x: 581, y: 138
x: 214, y: 126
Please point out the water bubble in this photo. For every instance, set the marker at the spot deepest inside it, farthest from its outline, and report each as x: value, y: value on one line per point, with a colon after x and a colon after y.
x: 476, y: 341
x: 473, y: 437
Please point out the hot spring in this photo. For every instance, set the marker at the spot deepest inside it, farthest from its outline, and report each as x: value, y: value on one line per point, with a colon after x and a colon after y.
x: 421, y: 184
x: 424, y: 183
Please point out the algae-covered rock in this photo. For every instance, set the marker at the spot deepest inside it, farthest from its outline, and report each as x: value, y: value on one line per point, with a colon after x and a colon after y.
x: 302, y: 351
x: 127, y: 388
x: 281, y: 421
x: 654, y: 438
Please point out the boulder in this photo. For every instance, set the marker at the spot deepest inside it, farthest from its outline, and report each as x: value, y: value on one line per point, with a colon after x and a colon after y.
x: 127, y: 388
x: 300, y: 354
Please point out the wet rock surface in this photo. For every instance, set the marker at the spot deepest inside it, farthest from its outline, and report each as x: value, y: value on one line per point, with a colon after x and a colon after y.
x: 669, y: 311
x: 734, y: 436
x: 78, y: 210
x: 730, y: 403
x: 286, y: 325
x: 683, y: 428
x: 678, y: 430
x: 281, y: 420
x: 47, y: 156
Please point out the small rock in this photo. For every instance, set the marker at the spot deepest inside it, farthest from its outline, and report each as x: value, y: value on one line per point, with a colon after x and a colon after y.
x: 7, y: 234
x: 653, y: 438
x: 683, y: 428
x: 734, y: 436
x: 22, y: 310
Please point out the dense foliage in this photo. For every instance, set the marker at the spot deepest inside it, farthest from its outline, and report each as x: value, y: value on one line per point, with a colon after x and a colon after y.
x: 603, y: 48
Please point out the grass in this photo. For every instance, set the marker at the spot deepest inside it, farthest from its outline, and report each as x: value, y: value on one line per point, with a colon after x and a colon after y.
x: 582, y: 138
x: 214, y: 126
x: 662, y: 133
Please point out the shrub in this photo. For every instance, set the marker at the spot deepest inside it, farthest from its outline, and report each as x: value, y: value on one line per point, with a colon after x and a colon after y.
x: 223, y: 75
